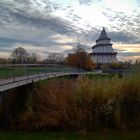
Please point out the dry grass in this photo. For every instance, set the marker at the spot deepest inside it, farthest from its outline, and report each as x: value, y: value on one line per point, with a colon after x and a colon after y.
x: 84, y: 104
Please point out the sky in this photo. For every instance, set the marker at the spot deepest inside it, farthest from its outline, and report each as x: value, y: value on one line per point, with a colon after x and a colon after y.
x: 47, y: 26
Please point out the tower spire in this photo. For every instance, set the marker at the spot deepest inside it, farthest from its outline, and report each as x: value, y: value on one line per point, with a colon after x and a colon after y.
x: 103, y: 52
x: 103, y: 34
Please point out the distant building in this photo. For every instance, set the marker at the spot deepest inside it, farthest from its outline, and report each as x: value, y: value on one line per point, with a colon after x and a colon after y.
x: 102, y: 51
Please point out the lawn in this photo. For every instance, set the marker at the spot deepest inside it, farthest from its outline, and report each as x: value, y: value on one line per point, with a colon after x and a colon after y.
x: 21, y: 71
x: 92, y: 76
x: 4, y: 135
x: 99, y: 75
x: 9, y: 72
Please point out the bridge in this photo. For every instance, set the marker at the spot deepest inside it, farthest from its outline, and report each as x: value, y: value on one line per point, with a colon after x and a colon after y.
x: 20, y: 78
x: 31, y: 73
x: 7, y: 84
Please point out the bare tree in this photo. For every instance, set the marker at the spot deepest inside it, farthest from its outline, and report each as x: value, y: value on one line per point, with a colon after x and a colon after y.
x: 33, y: 58
x: 20, y: 55
x: 55, y: 58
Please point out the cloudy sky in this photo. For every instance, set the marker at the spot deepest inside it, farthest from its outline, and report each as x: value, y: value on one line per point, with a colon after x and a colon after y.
x: 44, y: 26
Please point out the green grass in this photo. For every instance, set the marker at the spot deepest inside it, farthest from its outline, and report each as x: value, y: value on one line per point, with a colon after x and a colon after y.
x: 98, y: 75
x: 92, y: 76
x: 21, y: 71
x: 4, y: 135
x: 9, y: 72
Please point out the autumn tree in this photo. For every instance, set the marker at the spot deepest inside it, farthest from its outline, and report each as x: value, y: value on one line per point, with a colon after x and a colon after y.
x: 80, y: 59
x: 20, y: 55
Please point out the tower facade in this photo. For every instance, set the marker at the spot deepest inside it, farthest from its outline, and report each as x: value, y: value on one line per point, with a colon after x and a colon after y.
x: 102, y: 51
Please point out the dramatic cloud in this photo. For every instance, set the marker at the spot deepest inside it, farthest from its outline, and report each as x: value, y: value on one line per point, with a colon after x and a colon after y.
x: 54, y: 26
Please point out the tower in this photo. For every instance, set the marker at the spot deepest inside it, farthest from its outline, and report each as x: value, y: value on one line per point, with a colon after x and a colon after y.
x: 102, y: 51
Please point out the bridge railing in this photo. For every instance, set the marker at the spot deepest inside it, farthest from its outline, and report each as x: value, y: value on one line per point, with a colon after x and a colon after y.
x: 12, y: 73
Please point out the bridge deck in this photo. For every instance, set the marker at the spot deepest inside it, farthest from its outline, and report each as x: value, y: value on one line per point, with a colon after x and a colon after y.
x: 6, y: 84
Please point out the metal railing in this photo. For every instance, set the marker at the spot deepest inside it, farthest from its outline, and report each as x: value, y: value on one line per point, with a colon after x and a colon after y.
x: 17, y: 72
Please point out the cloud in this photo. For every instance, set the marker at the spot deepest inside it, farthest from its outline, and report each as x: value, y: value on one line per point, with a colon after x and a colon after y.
x: 129, y: 54
x: 33, y: 18
x: 122, y: 37
x: 127, y: 51
x: 59, y: 25
x: 124, y: 25
x: 85, y: 2
x: 29, y: 27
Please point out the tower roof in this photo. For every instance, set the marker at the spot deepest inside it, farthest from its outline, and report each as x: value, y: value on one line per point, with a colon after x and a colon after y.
x: 103, y: 35
x: 103, y: 52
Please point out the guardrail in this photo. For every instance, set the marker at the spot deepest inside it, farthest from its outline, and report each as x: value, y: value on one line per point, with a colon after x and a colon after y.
x: 10, y: 83
x: 12, y: 75
x: 18, y: 70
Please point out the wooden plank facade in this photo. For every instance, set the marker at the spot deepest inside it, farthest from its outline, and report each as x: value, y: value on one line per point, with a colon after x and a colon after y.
x: 102, y: 51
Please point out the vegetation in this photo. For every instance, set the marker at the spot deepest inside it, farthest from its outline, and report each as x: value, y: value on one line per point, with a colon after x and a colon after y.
x: 83, y: 105
x: 55, y: 58
x: 136, y: 66
x: 99, y: 76
x: 21, y: 56
x: 5, y: 60
x: 11, y: 72
x: 4, y: 135
x: 121, y: 65
x: 80, y: 59
x: 8, y: 72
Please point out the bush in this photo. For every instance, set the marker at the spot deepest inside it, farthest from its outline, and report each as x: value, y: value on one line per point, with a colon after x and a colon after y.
x: 84, y: 104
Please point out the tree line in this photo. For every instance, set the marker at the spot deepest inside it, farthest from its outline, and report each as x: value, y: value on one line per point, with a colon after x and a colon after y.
x: 79, y: 58
x: 20, y: 56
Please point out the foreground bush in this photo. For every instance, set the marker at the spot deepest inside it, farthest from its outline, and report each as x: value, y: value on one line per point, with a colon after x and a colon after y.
x: 83, y: 104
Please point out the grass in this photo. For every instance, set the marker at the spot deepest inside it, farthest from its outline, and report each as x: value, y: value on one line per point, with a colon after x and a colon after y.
x: 21, y: 71
x: 9, y: 72
x: 10, y: 135
x: 84, y: 104
x: 92, y: 76
x: 124, y: 96
x: 98, y: 75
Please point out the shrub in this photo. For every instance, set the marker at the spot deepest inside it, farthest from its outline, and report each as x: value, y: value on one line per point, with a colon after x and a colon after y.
x: 84, y: 104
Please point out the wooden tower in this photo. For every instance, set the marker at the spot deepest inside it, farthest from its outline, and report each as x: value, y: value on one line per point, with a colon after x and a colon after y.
x: 102, y: 51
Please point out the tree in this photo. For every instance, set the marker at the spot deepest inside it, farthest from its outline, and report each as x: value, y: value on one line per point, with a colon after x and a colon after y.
x: 20, y: 55
x: 80, y: 59
x: 5, y: 60
x: 33, y: 58
x: 137, y: 61
x: 55, y: 58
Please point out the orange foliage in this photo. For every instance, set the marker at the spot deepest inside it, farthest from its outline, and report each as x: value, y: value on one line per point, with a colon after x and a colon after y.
x: 80, y: 59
